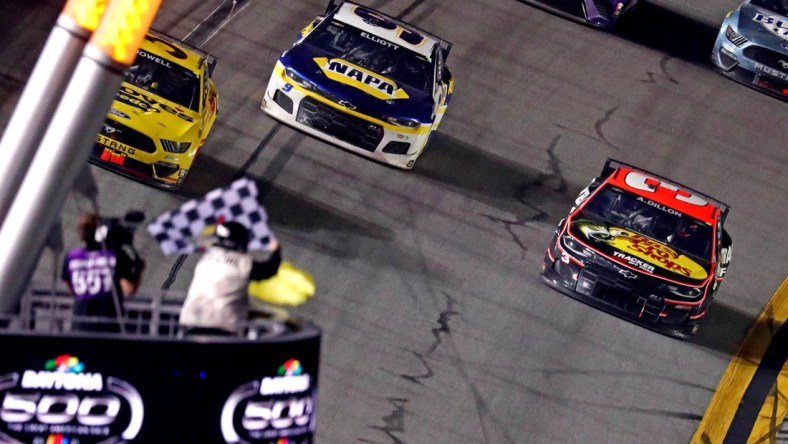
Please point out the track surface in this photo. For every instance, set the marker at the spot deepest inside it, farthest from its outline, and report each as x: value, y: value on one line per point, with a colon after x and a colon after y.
x: 436, y: 325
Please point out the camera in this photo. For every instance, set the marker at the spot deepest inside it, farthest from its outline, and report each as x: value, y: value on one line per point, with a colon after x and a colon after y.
x: 117, y: 234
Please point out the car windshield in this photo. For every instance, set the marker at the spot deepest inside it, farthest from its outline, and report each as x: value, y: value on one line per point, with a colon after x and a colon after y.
x: 624, y: 209
x: 778, y: 6
x: 166, y: 79
x: 373, y: 53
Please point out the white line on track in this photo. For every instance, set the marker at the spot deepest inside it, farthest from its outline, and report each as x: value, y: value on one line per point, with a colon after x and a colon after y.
x: 233, y: 12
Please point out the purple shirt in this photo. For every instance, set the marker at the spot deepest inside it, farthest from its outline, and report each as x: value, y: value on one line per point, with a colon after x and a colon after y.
x: 91, y: 273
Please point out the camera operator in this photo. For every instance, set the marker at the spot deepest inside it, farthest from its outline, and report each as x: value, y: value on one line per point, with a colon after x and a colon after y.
x: 102, y: 272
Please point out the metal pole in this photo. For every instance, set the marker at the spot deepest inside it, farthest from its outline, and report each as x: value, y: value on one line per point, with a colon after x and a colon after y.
x: 63, y: 152
x: 37, y: 104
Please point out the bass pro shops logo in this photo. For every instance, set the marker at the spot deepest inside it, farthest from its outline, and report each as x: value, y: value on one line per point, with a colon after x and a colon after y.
x: 278, y: 407
x: 65, y: 403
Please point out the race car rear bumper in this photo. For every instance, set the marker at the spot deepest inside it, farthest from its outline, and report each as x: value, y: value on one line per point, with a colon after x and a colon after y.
x: 332, y: 123
x: 639, y: 309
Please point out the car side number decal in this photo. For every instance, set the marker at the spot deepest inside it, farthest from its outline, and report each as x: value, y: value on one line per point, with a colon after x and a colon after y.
x: 647, y: 183
x: 375, y: 19
x: 173, y: 50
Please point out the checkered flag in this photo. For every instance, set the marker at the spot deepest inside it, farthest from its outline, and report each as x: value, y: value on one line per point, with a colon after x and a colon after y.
x: 177, y: 231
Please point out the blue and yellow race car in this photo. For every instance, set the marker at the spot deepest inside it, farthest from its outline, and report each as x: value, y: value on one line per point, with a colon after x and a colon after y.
x: 364, y: 81
x: 752, y: 46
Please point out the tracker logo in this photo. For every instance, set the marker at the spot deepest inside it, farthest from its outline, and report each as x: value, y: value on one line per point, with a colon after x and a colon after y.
x: 279, y: 407
x: 773, y: 23
x: 64, y: 400
x: 635, y: 262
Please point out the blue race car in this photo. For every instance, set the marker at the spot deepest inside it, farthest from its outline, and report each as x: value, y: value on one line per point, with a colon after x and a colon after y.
x: 363, y: 81
x: 752, y: 46
x: 599, y: 13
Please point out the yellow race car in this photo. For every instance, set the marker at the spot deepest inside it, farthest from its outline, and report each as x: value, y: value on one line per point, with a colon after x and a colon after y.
x: 161, y: 115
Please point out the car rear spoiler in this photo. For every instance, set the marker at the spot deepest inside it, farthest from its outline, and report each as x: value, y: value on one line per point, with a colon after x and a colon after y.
x: 206, y: 58
x: 612, y: 164
x: 445, y: 45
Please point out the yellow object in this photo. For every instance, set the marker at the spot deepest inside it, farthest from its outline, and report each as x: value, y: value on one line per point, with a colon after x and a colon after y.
x: 86, y: 13
x: 727, y: 398
x: 123, y: 27
x: 290, y: 286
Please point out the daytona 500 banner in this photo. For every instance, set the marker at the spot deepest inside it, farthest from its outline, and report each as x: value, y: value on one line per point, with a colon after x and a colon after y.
x: 90, y: 390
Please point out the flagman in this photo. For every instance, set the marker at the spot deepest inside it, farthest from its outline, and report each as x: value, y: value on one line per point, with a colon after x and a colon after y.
x: 243, y: 258
x: 218, y: 300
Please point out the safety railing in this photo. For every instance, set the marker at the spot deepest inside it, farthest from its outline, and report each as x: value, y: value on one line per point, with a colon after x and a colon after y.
x: 49, y: 311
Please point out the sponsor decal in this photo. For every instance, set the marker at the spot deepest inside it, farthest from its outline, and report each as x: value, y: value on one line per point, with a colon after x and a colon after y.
x: 363, y: 79
x: 627, y: 273
x: 153, y: 58
x: 640, y: 251
x: 771, y: 71
x: 775, y: 24
x: 649, y: 184
x: 115, y: 145
x: 659, y: 206
x: 635, y: 262
x: 378, y: 40
x: 120, y: 114
x: 146, y: 103
x: 65, y: 403
x: 278, y: 407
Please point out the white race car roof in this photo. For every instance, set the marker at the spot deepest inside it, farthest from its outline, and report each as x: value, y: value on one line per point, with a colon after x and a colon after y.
x: 347, y: 14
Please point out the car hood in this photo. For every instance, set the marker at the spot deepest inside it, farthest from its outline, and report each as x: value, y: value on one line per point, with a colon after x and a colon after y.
x: 764, y: 27
x: 152, y: 114
x: 370, y: 93
x: 649, y: 256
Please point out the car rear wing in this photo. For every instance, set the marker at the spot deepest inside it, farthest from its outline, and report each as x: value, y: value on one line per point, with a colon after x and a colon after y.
x: 612, y: 164
x: 206, y: 58
x: 445, y: 45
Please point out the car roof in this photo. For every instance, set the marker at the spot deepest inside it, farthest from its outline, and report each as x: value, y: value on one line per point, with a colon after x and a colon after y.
x: 667, y: 193
x: 348, y: 13
x: 193, y: 60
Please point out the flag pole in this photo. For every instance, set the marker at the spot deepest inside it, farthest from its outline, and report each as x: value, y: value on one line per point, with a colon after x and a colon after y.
x: 67, y: 142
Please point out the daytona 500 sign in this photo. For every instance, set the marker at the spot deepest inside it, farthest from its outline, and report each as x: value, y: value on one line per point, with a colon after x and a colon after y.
x: 85, y: 390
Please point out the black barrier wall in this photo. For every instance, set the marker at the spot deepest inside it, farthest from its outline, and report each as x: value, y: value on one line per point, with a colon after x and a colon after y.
x: 70, y: 389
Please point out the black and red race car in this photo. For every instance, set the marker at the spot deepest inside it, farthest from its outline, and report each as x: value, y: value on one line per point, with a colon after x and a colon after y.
x: 642, y: 247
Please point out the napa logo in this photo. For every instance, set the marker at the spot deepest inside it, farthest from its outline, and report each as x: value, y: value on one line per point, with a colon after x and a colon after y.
x: 291, y: 379
x: 64, y: 372
x: 773, y: 23
x: 350, y: 74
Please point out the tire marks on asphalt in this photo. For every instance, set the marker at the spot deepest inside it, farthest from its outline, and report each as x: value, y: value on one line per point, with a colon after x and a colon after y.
x: 598, y: 129
x: 199, y: 36
x: 215, y: 21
